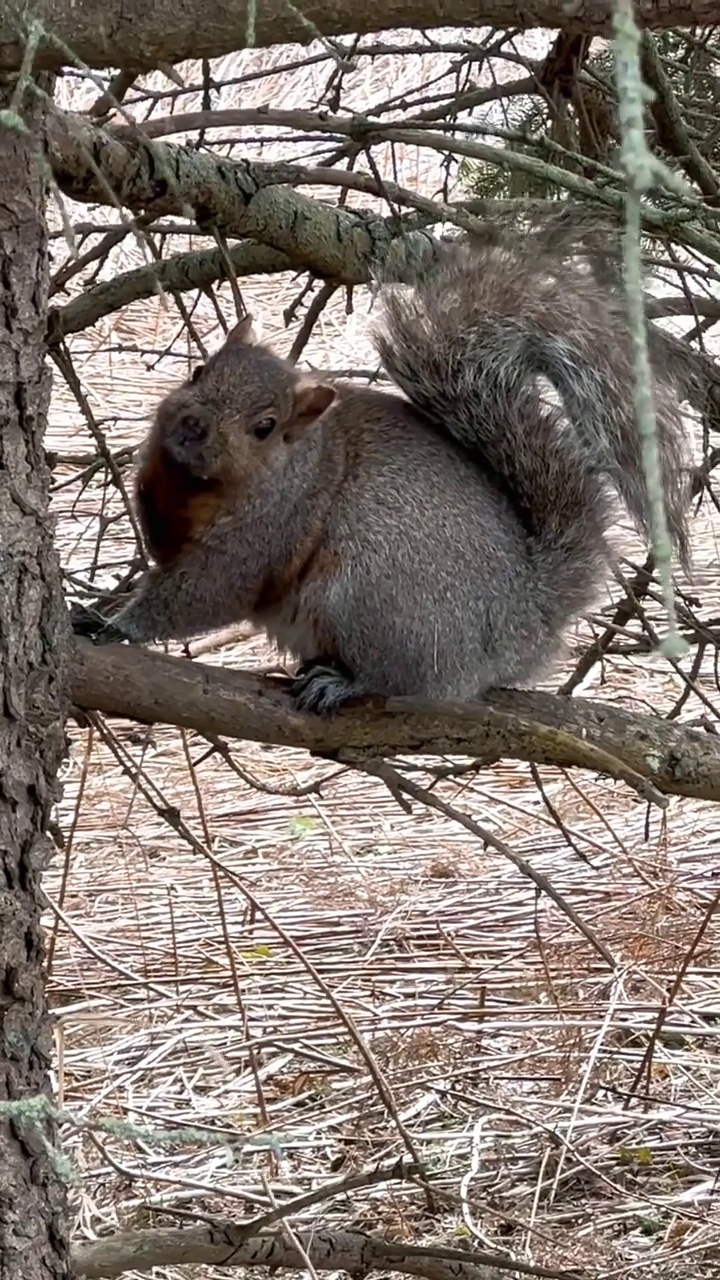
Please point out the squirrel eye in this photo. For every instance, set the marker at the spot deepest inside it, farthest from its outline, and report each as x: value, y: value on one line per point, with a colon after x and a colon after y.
x: 265, y: 428
x: 197, y: 371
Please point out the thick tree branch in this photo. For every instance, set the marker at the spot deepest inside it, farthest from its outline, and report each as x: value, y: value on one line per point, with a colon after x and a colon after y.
x: 236, y: 197
x: 183, y: 272
x: 137, y: 684
x: 137, y: 35
x: 242, y: 198
x: 282, y: 228
x: 226, y: 1245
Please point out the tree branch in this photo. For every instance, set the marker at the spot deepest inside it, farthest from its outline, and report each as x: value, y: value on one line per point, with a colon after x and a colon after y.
x: 138, y: 684
x: 183, y: 272
x: 225, y: 1245
x: 238, y: 198
x: 283, y: 229
x: 672, y: 130
x: 179, y: 273
x: 136, y: 35
x: 242, y: 198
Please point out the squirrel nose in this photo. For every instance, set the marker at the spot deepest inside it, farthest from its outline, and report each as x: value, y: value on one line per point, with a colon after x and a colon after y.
x: 191, y: 431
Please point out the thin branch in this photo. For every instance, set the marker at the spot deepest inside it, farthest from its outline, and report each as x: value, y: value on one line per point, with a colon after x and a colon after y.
x: 179, y: 273
x: 645, y: 1066
x: 672, y: 130
x: 399, y: 784
x: 398, y: 1171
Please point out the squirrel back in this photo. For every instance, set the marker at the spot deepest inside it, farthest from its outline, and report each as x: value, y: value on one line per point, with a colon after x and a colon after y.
x: 435, y: 543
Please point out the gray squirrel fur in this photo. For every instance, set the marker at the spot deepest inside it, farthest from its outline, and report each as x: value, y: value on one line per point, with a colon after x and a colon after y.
x: 436, y: 546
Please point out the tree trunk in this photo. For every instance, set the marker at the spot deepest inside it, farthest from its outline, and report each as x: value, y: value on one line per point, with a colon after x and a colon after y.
x: 33, y: 1239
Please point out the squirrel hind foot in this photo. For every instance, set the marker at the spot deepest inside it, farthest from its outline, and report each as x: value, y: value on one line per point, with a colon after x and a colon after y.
x: 322, y: 686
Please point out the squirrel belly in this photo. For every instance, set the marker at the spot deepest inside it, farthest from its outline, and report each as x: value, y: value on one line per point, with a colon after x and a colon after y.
x: 435, y: 543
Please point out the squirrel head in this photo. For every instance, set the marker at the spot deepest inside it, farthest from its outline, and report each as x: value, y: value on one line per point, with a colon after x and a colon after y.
x: 239, y: 412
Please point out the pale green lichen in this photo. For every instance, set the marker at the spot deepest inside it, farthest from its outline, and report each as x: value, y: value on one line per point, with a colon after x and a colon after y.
x: 642, y: 172
x: 40, y: 1113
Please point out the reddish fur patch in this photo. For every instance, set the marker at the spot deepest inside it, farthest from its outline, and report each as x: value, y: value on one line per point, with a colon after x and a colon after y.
x: 309, y: 564
x: 324, y: 565
x: 172, y: 508
x: 278, y: 586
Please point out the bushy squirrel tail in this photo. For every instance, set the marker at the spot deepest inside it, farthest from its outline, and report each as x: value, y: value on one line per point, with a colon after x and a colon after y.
x: 468, y: 345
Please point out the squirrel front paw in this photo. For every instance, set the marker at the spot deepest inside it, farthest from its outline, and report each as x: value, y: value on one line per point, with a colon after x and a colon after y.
x: 322, y: 686
x: 91, y: 624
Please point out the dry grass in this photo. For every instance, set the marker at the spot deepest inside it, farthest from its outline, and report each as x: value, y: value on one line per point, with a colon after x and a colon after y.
x: 191, y: 979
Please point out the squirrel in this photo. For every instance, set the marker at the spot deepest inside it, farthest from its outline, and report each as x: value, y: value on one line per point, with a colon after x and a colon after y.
x: 433, y: 541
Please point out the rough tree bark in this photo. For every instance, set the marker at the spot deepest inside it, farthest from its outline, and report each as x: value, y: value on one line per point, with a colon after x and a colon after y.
x: 137, y: 35
x: 33, y: 1241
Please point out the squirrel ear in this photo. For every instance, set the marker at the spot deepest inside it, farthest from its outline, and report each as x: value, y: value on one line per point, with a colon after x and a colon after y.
x: 242, y: 334
x: 311, y: 400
